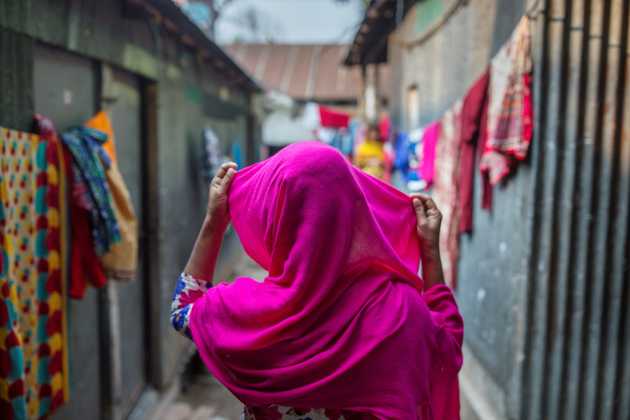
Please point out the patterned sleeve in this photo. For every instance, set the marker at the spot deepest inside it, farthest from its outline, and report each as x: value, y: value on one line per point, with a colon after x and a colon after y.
x: 187, y: 291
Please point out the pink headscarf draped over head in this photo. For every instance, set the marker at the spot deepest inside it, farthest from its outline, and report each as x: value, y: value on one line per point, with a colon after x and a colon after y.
x: 339, y: 320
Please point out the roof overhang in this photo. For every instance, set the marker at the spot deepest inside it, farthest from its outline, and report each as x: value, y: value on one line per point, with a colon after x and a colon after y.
x: 177, y: 22
x: 380, y: 20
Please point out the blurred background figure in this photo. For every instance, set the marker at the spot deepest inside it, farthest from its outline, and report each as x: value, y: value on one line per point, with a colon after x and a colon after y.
x: 370, y: 155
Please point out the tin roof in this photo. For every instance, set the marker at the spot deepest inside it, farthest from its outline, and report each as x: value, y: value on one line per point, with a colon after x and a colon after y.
x: 173, y: 18
x: 302, y: 71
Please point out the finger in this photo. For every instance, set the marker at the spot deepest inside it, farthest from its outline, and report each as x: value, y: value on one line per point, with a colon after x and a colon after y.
x: 221, y: 172
x: 419, y: 207
x: 224, y: 169
x: 430, y: 204
x: 227, y: 179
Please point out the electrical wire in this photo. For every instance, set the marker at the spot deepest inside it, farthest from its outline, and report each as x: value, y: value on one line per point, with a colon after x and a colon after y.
x: 532, y: 12
x: 435, y: 28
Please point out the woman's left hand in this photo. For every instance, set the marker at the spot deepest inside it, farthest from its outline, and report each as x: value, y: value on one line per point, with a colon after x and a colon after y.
x: 429, y: 220
x: 217, y: 213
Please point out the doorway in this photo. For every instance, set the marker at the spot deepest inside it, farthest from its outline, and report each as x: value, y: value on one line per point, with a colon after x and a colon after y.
x: 108, y: 328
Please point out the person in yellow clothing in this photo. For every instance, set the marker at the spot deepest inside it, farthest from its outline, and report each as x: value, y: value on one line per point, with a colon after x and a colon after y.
x: 370, y: 155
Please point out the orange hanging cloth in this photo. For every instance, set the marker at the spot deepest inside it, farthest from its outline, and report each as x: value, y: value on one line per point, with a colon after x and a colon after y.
x: 121, y: 262
x: 102, y: 122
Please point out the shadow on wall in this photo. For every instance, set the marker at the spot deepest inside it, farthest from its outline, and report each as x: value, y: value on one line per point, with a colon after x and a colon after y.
x: 508, y: 13
x: 195, y: 174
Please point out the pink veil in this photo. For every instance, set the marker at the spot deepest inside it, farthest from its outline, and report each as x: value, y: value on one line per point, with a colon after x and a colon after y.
x: 338, y: 322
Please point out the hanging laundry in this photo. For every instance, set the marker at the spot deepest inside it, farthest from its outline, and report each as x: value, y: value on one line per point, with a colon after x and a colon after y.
x: 401, y: 155
x: 237, y: 154
x: 102, y: 122
x: 90, y: 187
x: 332, y: 118
x: 473, y: 119
x: 385, y: 126
x: 354, y: 131
x: 446, y: 189
x: 347, y: 142
x: 212, y: 156
x: 121, y: 261
x: 429, y: 144
x: 85, y: 266
x: 389, y: 161
x: 341, y: 139
x: 509, y: 122
x: 414, y: 182
x: 325, y: 135
x: 336, y: 140
x: 33, y: 336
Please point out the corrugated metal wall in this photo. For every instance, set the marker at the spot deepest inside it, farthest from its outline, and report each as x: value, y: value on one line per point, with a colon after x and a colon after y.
x: 16, y: 58
x: 544, y: 285
x: 577, y: 329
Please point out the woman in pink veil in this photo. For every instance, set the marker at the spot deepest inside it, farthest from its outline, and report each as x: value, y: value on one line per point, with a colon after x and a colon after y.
x: 342, y: 327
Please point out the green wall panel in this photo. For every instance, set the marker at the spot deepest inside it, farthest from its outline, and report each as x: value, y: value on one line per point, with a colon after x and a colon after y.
x: 427, y: 13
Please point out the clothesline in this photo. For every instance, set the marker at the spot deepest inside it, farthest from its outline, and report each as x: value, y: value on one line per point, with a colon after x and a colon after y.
x: 532, y: 13
x: 491, y: 127
x: 428, y: 34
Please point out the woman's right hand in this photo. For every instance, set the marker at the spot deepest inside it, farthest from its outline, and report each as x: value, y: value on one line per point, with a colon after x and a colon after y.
x: 204, y: 255
x: 218, y: 213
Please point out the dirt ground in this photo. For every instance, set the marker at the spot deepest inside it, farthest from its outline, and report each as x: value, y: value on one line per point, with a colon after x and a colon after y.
x: 203, y: 398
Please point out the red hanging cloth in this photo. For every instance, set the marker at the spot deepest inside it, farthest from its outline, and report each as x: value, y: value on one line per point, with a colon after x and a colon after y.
x: 332, y: 118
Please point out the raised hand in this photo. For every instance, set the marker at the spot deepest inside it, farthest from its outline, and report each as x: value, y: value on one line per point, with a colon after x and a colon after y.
x: 218, y: 212
x: 429, y: 221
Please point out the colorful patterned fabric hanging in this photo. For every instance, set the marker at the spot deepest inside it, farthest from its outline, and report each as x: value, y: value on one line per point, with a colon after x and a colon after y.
x: 121, y: 261
x: 90, y: 161
x: 33, y: 360
x: 446, y: 189
x: 509, y: 124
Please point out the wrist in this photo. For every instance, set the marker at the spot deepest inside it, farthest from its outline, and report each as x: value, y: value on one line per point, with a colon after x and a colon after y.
x: 213, y: 224
x: 430, y: 253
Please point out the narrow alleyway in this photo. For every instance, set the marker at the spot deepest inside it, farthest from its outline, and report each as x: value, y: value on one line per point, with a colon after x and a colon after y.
x: 202, y: 397
x: 512, y: 117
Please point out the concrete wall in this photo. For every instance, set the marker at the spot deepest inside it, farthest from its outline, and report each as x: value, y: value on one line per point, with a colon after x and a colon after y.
x: 183, y: 192
x: 180, y: 95
x: 493, y: 264
x: 543, y: 280
x: 445, y: 65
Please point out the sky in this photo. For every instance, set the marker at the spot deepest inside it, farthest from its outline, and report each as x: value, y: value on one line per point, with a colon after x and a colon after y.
x: 291, y: 21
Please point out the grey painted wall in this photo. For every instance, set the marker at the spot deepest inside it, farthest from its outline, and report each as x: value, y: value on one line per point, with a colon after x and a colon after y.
x: 183, y: 193
x: 493, y: 264
x: 544, y: 280
x: 54, y: 73
x: 179, y: 96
